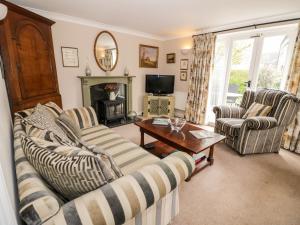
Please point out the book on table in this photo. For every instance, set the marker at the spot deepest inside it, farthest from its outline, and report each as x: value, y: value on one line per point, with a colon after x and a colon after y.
x: 160, y: 121
x: 199, y: 157
x: 201, y: 134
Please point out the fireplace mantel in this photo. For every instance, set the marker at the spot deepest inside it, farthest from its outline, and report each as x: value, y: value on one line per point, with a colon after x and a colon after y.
x: 88, y: 82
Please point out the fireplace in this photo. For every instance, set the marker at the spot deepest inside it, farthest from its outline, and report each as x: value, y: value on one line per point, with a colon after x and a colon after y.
x: 109, y: 112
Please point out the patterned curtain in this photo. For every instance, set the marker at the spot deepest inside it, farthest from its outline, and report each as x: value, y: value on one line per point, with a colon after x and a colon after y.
x: 291, y: 138
x: 201, y: 68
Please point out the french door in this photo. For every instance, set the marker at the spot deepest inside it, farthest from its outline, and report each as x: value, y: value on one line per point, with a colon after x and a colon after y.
x: 252, y: 59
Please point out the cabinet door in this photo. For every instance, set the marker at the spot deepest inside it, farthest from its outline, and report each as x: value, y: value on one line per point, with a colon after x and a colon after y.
x: 153, y: 107
x: 164, y: 107
x: 34, y: 61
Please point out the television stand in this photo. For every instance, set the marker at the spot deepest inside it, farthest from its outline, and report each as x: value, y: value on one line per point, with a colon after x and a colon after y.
x: 159, y: 105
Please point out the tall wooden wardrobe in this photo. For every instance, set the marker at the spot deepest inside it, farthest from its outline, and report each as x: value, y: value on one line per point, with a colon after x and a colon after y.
x: 27, y: 54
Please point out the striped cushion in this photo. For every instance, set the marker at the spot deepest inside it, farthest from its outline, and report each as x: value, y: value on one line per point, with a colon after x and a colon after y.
x: 229, y: 126
x: 71, y: 176
x: 53, y: 108
x: 257, y: 109
x: 24, y: 113
x: 84, y: 117
x: 128, y: 156
x: 66, y: 123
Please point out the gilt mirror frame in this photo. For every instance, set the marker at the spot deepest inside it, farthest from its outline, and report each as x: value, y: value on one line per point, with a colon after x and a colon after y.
x: 117, y: 50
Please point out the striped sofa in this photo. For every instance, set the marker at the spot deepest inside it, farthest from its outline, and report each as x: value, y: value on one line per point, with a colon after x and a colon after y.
x: 147, y: 193
x: 256, y: 134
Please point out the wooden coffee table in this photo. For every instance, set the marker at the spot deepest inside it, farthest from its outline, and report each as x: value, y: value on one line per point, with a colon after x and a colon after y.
x: 182, y: 141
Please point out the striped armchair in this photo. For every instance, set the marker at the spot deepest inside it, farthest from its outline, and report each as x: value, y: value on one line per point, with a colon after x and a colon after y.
x: 256, y: 134
x: 147, y: 193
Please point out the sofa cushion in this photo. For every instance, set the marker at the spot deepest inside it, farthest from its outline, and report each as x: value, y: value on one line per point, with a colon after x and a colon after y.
x: 71, y: 176
x: 128, y: 156
x: 68, y: 126
x: 229, y: 126
x: 42, y: 118
x: 257, y: 109
x: 53, y: 108
x: 84, y: 117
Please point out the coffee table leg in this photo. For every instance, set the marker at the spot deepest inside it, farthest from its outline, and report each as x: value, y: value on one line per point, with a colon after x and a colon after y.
x: 142, y: 143
x: 210, y: 158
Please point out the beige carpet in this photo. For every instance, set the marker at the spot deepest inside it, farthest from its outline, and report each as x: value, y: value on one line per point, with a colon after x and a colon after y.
x: 251, y: 190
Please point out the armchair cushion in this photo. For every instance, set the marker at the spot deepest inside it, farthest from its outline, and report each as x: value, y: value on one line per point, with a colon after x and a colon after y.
x: 229, y: 126
x: 225, y: 111
x: 260, y: 123
x: 257, y: 109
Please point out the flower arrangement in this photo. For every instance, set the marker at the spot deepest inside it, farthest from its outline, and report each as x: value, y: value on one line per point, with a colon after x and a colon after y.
x: 112, y: 87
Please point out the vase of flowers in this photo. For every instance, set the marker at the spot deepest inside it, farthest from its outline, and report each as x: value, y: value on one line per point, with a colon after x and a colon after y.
x: 112, y: 90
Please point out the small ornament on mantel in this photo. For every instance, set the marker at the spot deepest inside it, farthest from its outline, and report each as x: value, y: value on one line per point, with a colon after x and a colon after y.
x: 126, y: 71
x: 88, y: 71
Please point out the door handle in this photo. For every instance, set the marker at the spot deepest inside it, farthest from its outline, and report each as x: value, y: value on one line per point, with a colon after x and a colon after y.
x: 248, y: 83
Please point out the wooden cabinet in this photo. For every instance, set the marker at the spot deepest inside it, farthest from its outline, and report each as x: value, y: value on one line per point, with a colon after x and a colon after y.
x: 28, y: 58
x: 159, y: 106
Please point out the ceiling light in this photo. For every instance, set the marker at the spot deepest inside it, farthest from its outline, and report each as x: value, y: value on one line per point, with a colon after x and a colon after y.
x: 3, y: 11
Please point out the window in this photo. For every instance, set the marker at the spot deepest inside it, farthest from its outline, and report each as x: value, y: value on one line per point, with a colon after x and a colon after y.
x: 251, y: 59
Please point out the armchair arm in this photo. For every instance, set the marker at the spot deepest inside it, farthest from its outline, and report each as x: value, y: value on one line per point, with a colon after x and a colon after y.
x: 260, y: 123
x: 225, y: 111
x: 84, y: 117
x: 124, y: 198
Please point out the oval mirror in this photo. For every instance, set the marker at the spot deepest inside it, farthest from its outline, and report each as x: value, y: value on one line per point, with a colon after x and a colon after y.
x: 106, y: 51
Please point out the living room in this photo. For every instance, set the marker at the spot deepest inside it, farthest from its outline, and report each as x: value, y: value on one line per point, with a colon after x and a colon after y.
x: 126, y: 113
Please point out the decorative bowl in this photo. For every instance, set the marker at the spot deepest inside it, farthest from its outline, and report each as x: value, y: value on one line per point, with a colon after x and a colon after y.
x: 177, y: 123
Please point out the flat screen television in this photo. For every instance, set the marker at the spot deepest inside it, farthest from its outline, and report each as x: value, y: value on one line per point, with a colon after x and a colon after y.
x: 160, y: 84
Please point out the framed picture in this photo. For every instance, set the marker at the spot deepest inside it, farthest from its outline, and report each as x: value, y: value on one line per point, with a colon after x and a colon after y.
x: 183, y: 75
x: 148, y: 56
x: 184, y: 64
x: 171, y: 58
x: 70, y: 57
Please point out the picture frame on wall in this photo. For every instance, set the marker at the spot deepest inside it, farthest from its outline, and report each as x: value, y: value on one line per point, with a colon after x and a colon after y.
x: 184, y: 64
x: 70, y: 56
x: 171, y: 58
x: 148, y: 56
x: 183, y: 75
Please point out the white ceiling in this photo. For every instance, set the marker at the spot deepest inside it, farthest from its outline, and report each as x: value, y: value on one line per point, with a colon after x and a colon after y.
x: 169, y: 18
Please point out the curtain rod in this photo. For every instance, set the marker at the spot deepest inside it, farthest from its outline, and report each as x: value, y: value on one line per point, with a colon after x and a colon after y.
x: 248, y: 26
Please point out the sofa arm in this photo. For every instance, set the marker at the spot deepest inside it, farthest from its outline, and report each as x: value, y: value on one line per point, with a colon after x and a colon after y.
x: 84, y: 117
x: 225, y: 111
x: 124, y: 198
x: 260, y: 123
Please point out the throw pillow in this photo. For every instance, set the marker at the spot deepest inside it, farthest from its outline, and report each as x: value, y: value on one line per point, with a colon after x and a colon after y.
x: 53, y: 108
x: 71, y: 176
x: 68, y: 126
x: 42, y: 118
x: 257, y: 109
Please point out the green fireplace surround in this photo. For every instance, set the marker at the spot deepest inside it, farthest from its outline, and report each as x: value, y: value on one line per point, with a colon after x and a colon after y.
x: 88, y: 82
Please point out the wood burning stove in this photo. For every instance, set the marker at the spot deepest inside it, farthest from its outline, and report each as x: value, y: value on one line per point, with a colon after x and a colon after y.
x: 112, y: 110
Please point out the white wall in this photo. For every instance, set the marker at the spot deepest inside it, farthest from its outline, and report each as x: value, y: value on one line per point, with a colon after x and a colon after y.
x: 7, y: 174
x: 83, y: 37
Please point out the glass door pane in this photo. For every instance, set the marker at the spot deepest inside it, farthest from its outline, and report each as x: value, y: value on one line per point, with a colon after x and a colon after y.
x: 239, y: 74
x: 273, y: 62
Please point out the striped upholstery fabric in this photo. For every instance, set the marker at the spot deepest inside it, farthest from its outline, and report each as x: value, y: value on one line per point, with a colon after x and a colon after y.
x: 146, y: 195
x: 53, y: 108
x: 248, y: 99
x: 257, y: 109
x: 228, y: 126
x: 37, y: 201
x: 259, y: 134
x: 127, y: 197
x: 269, y: 97
x: 66, y: 123
x: 229, y: 111
x: 84, y: 117
x: 128, y: 156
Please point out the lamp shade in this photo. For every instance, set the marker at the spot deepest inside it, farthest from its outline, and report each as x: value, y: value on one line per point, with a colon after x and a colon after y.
x: 3, y: 11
